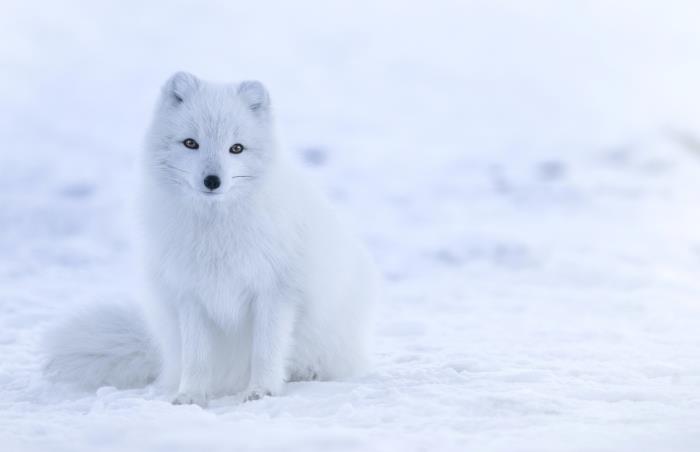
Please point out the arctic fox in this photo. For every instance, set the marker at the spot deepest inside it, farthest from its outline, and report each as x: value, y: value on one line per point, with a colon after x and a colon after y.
x: 255, y: 282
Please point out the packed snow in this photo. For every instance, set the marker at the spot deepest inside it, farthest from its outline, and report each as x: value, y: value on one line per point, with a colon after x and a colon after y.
x: 526, y: 174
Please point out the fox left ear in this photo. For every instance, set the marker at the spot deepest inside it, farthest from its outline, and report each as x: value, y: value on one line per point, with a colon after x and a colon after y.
x: 254, y: 95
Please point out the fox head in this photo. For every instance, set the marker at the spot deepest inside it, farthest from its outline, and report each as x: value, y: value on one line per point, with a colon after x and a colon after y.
x: 210, y: 140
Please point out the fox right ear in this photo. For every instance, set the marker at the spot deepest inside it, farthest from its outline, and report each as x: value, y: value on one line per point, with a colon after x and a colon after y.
x: 254, y: 95
x: 179, y: 86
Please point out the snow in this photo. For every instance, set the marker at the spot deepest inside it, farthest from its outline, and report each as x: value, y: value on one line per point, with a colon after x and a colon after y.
x: 526, y: 174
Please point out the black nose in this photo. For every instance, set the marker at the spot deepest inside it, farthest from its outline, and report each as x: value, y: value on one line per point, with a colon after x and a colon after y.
x: 212, y: 182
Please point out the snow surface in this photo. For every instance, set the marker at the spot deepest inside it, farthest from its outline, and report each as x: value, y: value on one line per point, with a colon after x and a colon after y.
x: 526, y: 173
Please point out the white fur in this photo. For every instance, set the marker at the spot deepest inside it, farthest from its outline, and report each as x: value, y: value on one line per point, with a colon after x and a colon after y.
x: 256, y: 283
x: 102, y: 345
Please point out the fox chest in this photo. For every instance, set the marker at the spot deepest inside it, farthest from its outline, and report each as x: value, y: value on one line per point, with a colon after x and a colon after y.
x: 221, y: 270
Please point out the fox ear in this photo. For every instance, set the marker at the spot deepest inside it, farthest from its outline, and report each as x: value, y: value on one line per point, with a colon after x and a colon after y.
x: 179, y: 86
x: 254, y: 95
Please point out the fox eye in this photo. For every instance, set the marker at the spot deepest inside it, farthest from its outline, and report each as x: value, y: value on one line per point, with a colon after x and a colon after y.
x: 236, y: 148
x: 190, y: 143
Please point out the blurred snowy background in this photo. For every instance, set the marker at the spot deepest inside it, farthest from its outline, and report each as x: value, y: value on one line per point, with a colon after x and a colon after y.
x: 527, y: 174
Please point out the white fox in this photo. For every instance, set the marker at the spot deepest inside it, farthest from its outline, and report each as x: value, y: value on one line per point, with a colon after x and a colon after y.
x: 255, y: 282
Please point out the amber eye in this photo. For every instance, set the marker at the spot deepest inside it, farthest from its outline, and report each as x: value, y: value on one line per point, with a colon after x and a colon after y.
x: 190, y: 143
x: 236, y: 148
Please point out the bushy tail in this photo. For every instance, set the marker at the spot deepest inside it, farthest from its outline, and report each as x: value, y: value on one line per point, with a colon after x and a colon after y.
x: 102, y: 346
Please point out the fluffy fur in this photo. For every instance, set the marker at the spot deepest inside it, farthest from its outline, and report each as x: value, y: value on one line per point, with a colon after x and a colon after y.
x: 103, y: 345
x: 254, y: 283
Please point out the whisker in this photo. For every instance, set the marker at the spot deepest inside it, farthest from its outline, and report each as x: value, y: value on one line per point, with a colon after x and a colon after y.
x: 162, y: 165
x: 234, y: 177
x: 173, y: 180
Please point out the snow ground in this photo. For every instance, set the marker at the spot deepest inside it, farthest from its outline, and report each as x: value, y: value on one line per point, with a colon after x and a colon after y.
x: 526, y: 174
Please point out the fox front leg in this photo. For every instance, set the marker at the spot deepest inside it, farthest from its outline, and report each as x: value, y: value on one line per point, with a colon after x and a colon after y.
x: 273, y: 319
x: 196, y: 349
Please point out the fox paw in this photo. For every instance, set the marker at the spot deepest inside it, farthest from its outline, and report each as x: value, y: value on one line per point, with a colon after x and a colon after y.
x: 255, y: 394
x: 185, y: 398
